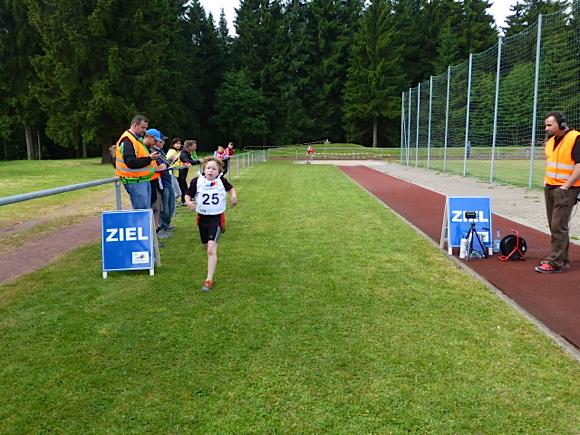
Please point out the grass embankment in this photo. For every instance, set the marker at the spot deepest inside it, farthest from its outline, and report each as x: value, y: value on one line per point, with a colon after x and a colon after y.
x: 24, y: 220
x: 511, y: 165
x: 329, y: 315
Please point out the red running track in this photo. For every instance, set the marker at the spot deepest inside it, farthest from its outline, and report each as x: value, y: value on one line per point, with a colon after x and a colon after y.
x: 552, y: 299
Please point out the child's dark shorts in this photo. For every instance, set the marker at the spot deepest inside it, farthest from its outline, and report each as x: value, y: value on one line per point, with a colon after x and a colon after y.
x: 209, y: 233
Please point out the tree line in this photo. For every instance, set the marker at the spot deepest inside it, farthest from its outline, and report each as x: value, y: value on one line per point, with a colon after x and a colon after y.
x: 74, y: 72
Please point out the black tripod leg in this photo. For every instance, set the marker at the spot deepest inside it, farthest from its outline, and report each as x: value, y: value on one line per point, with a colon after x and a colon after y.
x: 480, y: 243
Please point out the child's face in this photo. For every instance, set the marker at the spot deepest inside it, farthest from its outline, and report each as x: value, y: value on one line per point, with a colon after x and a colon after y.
x: 211, y: 170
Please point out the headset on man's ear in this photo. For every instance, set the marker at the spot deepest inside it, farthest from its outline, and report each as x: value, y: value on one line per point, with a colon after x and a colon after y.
x: 561, y: 120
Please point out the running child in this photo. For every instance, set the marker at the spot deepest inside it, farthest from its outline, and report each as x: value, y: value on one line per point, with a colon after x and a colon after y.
x: 209, y: 193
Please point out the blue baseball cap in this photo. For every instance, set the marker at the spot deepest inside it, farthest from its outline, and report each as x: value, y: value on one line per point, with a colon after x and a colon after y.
x: 156, y: 134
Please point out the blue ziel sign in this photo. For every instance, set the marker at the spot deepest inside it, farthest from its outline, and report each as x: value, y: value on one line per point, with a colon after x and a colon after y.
x: 127, y: 239
x: 458, y: 225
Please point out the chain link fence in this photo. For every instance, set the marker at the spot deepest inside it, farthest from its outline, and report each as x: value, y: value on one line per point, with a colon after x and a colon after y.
x: 484, y: 117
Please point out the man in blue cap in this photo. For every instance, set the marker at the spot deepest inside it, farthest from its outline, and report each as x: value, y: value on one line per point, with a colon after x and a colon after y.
x: 165, y: 195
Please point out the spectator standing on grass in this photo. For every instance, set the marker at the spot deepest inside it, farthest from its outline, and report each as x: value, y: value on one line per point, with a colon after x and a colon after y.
x: 135, y: 164
x: 228, y: 154
x: 151, y: 137
x: 561, y: 188
x: 209, y: 193
x: 166, y: 188
x: 188, y: 157
x: 309, y: 153
x: 173, y: 159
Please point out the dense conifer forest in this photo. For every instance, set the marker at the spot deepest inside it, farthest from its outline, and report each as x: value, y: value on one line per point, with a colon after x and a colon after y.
x: 74, y: 72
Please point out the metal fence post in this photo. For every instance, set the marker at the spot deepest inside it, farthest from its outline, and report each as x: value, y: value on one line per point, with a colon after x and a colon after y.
x: 402, y: 124
x: 467, y: 115
x: 495, y: 109
x: 118, y: 195
x: 409, y: 129
x: 446, y: 119
x: 418, y: 120
x: 535, y: 108
x: 429, y: 124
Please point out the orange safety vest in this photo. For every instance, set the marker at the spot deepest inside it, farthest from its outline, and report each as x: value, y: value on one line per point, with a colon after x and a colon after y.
x: 559, y: 163
x: 130, y: 175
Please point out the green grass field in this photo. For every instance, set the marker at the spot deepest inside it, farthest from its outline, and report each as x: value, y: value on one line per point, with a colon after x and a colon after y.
x: 53, y: 212
x: 329, y: 314
x: 511, y: 166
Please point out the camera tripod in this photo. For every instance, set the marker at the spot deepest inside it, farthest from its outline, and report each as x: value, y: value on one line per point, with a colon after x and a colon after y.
x: 471, y: 235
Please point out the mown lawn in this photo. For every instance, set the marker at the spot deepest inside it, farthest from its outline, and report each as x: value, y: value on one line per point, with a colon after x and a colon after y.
x: 25, y: 220
x: 329, y: 315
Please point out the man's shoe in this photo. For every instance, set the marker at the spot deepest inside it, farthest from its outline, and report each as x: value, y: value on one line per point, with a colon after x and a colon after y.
x: 170, y: 228
x: 207, y: 285
x: 547, y: 267
x: 163, y: 235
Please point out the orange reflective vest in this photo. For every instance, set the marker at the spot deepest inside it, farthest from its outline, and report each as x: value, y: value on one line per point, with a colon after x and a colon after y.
x: 129, y: 175
x: 559, y: 163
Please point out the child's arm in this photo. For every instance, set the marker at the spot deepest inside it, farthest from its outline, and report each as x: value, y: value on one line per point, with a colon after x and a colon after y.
x: 189, y: 203
x: 233, y: 197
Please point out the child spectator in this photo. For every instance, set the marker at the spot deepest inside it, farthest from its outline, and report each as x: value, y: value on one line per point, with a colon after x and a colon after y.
x: 173, y: 158
x: 209, y: 193
x: 228, y: 154
x: 309, y: 154
x: 220, y: 153
x: 188, y: 157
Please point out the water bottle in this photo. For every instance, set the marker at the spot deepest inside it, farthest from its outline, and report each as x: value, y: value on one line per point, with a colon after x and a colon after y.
x: 463, y: 247
x: 496, y: 241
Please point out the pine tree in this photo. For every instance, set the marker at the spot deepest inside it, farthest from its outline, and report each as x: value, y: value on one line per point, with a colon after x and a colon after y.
x: 259, y: 26
x: 526, y: 12
x: 374, y: 76
x: 333, y: 27
x: 102, y: 63
x: 239, y: 107
x: 19, y: 42
x: 224, y: 38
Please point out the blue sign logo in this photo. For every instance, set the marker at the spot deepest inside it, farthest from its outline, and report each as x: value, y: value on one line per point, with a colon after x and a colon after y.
x: 479, y: 214
x: 127, y: 239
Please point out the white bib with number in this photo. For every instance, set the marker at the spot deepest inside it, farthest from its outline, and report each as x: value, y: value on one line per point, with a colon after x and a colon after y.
x: 210, y: 197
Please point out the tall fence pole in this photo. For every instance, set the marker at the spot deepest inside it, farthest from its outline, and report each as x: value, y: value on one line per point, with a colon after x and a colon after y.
x: 429, y: 125
x: 418, y: 120
x: 495, y: 109
x: 535, y: 108
x: 409, y: 130
x: 118, y: 195
x: 467, y: 144
x: 446, y: 119
x: 402, y: 124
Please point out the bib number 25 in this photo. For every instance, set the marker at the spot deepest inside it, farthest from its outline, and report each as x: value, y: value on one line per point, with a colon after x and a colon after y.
x: 207, y: 199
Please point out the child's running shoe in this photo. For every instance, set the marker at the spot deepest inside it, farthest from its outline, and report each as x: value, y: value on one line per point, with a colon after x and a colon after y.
x: 207, y: 285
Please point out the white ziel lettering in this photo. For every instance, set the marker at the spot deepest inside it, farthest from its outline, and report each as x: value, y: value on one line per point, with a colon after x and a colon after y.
x: 112, y: 233
x: 457, y: 216
x: 129, y: 234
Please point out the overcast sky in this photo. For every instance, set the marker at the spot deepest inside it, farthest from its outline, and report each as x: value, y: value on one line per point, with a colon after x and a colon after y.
x: 499, y: 9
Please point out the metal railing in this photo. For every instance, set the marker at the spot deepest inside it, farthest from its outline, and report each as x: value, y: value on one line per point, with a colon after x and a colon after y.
x: 63, y: 189
x: 241, y: 162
